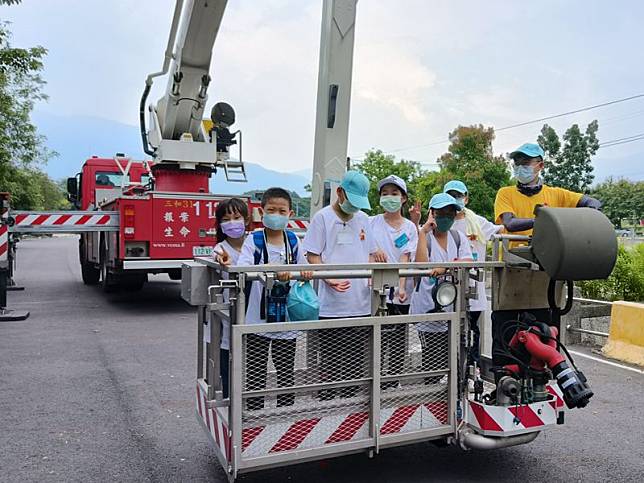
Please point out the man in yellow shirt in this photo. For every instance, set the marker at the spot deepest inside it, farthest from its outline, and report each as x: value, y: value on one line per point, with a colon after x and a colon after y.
x: 514, y: 208
x: 514, y: 205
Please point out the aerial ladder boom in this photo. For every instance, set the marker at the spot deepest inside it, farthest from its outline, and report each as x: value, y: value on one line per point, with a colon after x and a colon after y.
x: 333, y: 100
x: 176, y: 132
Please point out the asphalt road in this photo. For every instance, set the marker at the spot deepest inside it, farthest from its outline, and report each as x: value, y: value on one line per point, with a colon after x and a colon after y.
x: 100, y: 388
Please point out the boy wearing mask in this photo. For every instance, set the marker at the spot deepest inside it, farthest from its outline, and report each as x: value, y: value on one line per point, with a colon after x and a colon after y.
x: 274, y: 245
x: 340, y: 233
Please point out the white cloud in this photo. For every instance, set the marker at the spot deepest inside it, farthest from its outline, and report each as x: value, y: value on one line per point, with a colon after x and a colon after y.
x: 390, y: 75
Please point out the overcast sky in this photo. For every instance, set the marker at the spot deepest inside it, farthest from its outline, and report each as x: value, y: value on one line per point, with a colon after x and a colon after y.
x: 421, y: 68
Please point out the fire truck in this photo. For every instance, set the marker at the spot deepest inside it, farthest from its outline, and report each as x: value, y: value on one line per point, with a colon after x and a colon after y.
x: 159, y: 218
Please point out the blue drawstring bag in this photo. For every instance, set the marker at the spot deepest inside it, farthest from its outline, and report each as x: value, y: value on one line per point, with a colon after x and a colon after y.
x: 303, y: 303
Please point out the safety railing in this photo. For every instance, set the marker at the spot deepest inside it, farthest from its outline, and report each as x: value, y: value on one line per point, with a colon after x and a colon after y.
x: 306, y: 390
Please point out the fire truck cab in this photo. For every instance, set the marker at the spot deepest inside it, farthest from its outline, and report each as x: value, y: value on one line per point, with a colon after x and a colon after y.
x: 154, y: 231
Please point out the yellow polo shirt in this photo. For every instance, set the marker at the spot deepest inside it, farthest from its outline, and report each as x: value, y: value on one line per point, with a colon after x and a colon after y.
x: 510, y: 200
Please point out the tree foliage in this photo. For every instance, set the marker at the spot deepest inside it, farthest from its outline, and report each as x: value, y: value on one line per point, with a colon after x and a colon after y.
x: 470, y: 159
x: 568, y: 163
x: 626, y: 282
x: 377, y: 165
x: 622, y: 200
x: 22, y: 149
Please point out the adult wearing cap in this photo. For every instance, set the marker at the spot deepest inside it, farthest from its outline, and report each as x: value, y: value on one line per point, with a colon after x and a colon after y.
x: 478, y: 231
x: 514, y: 205
x: 514, y: 208
x: 397, y: 238
x: 438, y: 242
x: 340, y: 233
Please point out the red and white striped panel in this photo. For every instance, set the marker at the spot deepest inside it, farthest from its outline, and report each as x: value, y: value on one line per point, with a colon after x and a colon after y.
x: 64, y: 221
x: 216, y: 425
x: 4, y: 243
x: 558, y: 403
x: 317, y: 432
x: 298, y: 224
x: 509, y: 420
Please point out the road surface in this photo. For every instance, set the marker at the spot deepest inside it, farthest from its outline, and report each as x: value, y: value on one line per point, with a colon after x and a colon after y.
x: 97, y: 387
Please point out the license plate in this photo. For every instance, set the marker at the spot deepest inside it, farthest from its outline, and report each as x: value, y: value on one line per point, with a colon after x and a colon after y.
x: 201, y: 251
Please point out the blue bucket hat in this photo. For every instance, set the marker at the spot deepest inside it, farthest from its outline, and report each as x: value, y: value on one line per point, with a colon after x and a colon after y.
x: 455, y: 185
x: 356, y: 186
x: 441, y: 200
x: 531, y: 150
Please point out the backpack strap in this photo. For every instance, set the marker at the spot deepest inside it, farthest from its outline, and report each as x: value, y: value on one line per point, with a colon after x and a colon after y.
x: 457, y: 239
x: 261, y: 252
x: 293, y: 245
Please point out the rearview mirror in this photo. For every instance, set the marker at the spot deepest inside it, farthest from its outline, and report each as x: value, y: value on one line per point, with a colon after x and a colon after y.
x: 72, y: 189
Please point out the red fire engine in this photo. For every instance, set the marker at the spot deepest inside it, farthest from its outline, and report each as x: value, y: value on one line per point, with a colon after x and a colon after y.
x: 160, y: 217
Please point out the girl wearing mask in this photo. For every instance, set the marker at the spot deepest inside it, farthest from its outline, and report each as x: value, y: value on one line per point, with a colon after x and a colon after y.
x: 397, y: 238
x: 437, y: 242
x: 232, y: 222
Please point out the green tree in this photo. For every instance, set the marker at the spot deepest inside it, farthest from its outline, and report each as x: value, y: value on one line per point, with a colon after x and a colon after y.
x: 21, y: 147
x: 568, y: 164
x: 470, y: 158
x: 377, y: 165
x: 622, y: 200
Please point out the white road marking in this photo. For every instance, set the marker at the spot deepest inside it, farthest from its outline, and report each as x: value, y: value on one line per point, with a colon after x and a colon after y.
x: 621, y: 366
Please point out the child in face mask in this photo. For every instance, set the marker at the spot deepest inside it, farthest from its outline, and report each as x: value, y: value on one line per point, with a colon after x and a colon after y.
x: 478, y: 231
x: 437, y: 242
x: 274, y: 245
x: 232, y: 222
x: 397, y: 237
x: 340, y: 233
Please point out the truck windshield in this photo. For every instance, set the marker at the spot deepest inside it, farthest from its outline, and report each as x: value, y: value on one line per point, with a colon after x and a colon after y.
x: 110, y: 180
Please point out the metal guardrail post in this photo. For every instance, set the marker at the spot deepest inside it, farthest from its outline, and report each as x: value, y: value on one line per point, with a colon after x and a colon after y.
x: 6, y: 315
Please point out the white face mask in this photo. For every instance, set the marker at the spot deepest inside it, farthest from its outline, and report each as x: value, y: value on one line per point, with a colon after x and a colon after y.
x: 524, y: 174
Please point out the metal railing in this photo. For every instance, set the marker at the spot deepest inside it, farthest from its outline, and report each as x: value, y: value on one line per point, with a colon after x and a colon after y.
x: 303, y: 390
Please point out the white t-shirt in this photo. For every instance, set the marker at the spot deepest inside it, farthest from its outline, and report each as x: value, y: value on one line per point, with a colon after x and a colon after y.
x: 421, y: 300
x: 234, y: 257
x: 276, y: 256
x: 396, y: 242
x: 478, y: 247
x: 337, y: 241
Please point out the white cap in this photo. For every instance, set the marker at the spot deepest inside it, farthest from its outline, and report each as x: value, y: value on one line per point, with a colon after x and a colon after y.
x: 395, y: 180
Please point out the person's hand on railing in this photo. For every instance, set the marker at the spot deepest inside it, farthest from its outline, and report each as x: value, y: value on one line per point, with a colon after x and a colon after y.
x: 339, y: 285
x: 379, y: 256
x: 306, y: 275
x: 283, y: 276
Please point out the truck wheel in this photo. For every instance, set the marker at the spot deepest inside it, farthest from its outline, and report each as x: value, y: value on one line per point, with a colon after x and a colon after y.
x: 108, y: 282
x: 90, y: 274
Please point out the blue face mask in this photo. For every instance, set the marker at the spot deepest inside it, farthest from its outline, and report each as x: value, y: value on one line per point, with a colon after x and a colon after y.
x: 524, y: 174
x: 348, y: 208
x: 460, y: 202
x: 275, y: 222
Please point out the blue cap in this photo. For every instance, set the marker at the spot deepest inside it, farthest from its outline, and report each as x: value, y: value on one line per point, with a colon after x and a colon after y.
x: 356, y: 186
x: 441, y: 200
x: 529, y: 149
x: 455, y: 185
